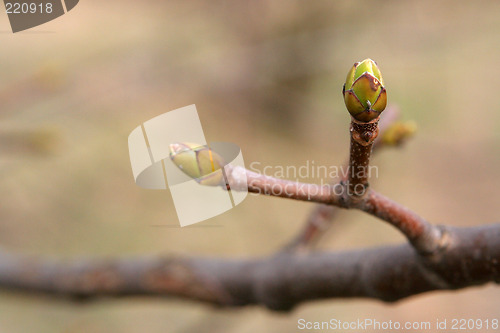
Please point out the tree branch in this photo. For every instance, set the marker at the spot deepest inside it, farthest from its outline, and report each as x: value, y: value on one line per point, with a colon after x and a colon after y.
x: 320, y: 218
x: 241, y: 179
x: 279, y: 282
x: 425, y: 237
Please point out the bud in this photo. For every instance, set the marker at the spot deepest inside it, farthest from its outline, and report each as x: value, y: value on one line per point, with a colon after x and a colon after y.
x: 399, y: 132
x: 198, y: 162
x: 364, y: 93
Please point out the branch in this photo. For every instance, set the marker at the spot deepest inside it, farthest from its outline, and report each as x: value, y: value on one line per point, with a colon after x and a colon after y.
x: 321, y: 216
x: 317, y: 223
x: 240, y: 179
x: 279, y: 282
x: 425, y: 237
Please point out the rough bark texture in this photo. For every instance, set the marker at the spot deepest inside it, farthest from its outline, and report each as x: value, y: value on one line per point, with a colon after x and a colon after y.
x: 472, y: 257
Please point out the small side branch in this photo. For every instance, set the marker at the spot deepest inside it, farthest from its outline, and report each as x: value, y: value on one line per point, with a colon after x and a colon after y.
x: 317, y: 223
x: 425, y: 237
x: 320, y: 218
x: 354, y: 193
x: 242, y: 179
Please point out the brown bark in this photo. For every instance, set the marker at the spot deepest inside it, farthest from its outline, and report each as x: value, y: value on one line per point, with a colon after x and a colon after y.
x: 280, y: 282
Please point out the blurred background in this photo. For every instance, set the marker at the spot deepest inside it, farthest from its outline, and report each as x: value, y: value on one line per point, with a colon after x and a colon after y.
x: 268, y: 76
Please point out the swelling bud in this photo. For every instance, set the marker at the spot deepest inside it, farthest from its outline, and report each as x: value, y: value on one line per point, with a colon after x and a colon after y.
x: 364, y: 92
x: 198, y: 162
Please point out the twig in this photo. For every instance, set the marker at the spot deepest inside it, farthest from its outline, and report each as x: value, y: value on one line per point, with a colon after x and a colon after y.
x: 240, y: 179
x: 425, y: 237
x: 317, y: 223
x: 279, y: 282
x: 320, y: 218
x: 421, y: 234
x: 363, y: 135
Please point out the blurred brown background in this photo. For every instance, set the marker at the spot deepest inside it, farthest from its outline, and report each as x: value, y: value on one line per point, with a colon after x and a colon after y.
x: 266, y: 75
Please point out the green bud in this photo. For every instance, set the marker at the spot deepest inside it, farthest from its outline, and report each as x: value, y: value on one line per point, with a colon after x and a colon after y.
x: 198, y: 162
x: 364, y: 93
x: 398, y: 132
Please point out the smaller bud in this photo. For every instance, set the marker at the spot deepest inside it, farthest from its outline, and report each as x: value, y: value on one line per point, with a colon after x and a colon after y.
x: 399, y: 132
x: 364, y: 92
x: 198, y: 162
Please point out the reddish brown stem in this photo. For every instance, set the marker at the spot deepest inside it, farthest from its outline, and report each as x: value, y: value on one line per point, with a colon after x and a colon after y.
x: 362, y: 137
x: 242, y: 179
x: 425, y: 237
x: 422, y: 235
x: 321, y: 216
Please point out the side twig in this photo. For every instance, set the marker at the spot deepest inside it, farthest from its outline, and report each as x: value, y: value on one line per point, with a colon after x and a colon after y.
x: 240, y: 179
x: 319, y: 220
x: 425, y: 237
x: 421, y: 234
